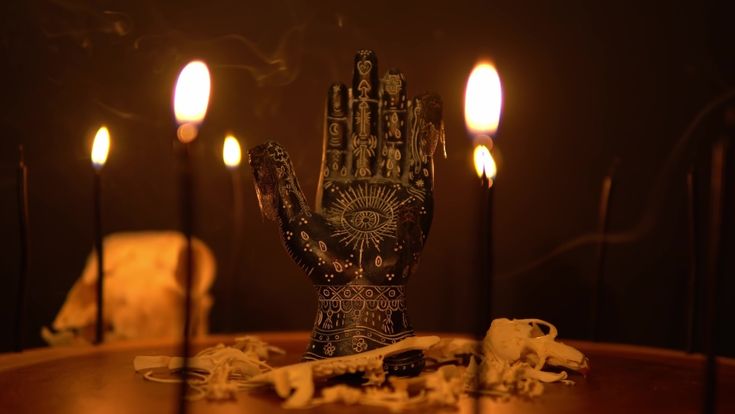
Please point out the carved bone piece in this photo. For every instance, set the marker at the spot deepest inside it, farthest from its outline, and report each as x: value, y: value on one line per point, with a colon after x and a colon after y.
x: 296, y: 382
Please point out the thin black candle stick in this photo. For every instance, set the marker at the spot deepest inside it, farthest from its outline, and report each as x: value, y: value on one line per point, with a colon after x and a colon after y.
x: 604, y: 224
x: 99, y: 333
x: 691, y: 286
x: 485, y: 285
x: 187, y: 224
x: 484, y: 281
x: 719, y: 151
x: 23, y: 229
x: 489, y: 248
x: 236, y: 247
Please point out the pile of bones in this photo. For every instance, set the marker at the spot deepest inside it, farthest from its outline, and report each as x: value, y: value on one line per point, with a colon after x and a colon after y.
x: 510, y: 360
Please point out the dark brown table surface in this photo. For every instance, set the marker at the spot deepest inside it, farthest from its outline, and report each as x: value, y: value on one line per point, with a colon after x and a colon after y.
x: 624, y: 379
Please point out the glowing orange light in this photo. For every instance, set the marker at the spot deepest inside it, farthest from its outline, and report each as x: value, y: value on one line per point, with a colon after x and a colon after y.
x: 231, y: 153
x: 484, y: 162
x: 483, y: 100
x: 100, y: 147
x: 191, y: 99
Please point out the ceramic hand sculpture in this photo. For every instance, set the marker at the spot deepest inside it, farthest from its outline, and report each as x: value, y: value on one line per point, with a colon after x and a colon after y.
x: 373, y: 211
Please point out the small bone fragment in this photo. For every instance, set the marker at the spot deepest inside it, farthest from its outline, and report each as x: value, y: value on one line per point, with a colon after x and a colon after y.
x: 300, y: 381
x: 220, y: 370
x: 450, y: 349
x: 442, y: 387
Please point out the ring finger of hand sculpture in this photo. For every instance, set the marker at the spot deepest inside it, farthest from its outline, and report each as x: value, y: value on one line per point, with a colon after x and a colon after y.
x: 373, y: 210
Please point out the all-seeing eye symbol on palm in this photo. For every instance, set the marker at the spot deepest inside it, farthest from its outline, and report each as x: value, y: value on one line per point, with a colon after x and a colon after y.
x: 363, y: 216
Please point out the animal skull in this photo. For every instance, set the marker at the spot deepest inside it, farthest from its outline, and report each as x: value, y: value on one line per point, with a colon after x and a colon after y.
x: 143, y: 290
x: 523, y: 340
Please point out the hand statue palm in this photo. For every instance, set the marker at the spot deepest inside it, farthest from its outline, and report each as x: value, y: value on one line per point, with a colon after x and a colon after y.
x: 373, y: 210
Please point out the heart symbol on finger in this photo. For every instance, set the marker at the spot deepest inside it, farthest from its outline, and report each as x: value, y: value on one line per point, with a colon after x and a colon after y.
x: 364, y: 67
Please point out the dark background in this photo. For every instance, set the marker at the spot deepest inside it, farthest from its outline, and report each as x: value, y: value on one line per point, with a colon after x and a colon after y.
x: 583, y: 85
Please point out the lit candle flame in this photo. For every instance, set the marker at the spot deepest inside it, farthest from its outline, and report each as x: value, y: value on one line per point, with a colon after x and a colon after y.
x: 483, y: 100
x: 191, y: 99
x: 484, y: 162
x: 231, y: 153
x: 100, y: 147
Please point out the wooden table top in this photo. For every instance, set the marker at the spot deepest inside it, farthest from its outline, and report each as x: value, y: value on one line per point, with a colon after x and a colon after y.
x: 101, y: 380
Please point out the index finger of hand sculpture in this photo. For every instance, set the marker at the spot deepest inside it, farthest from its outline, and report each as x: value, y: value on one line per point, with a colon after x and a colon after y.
x: 336, y: 129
